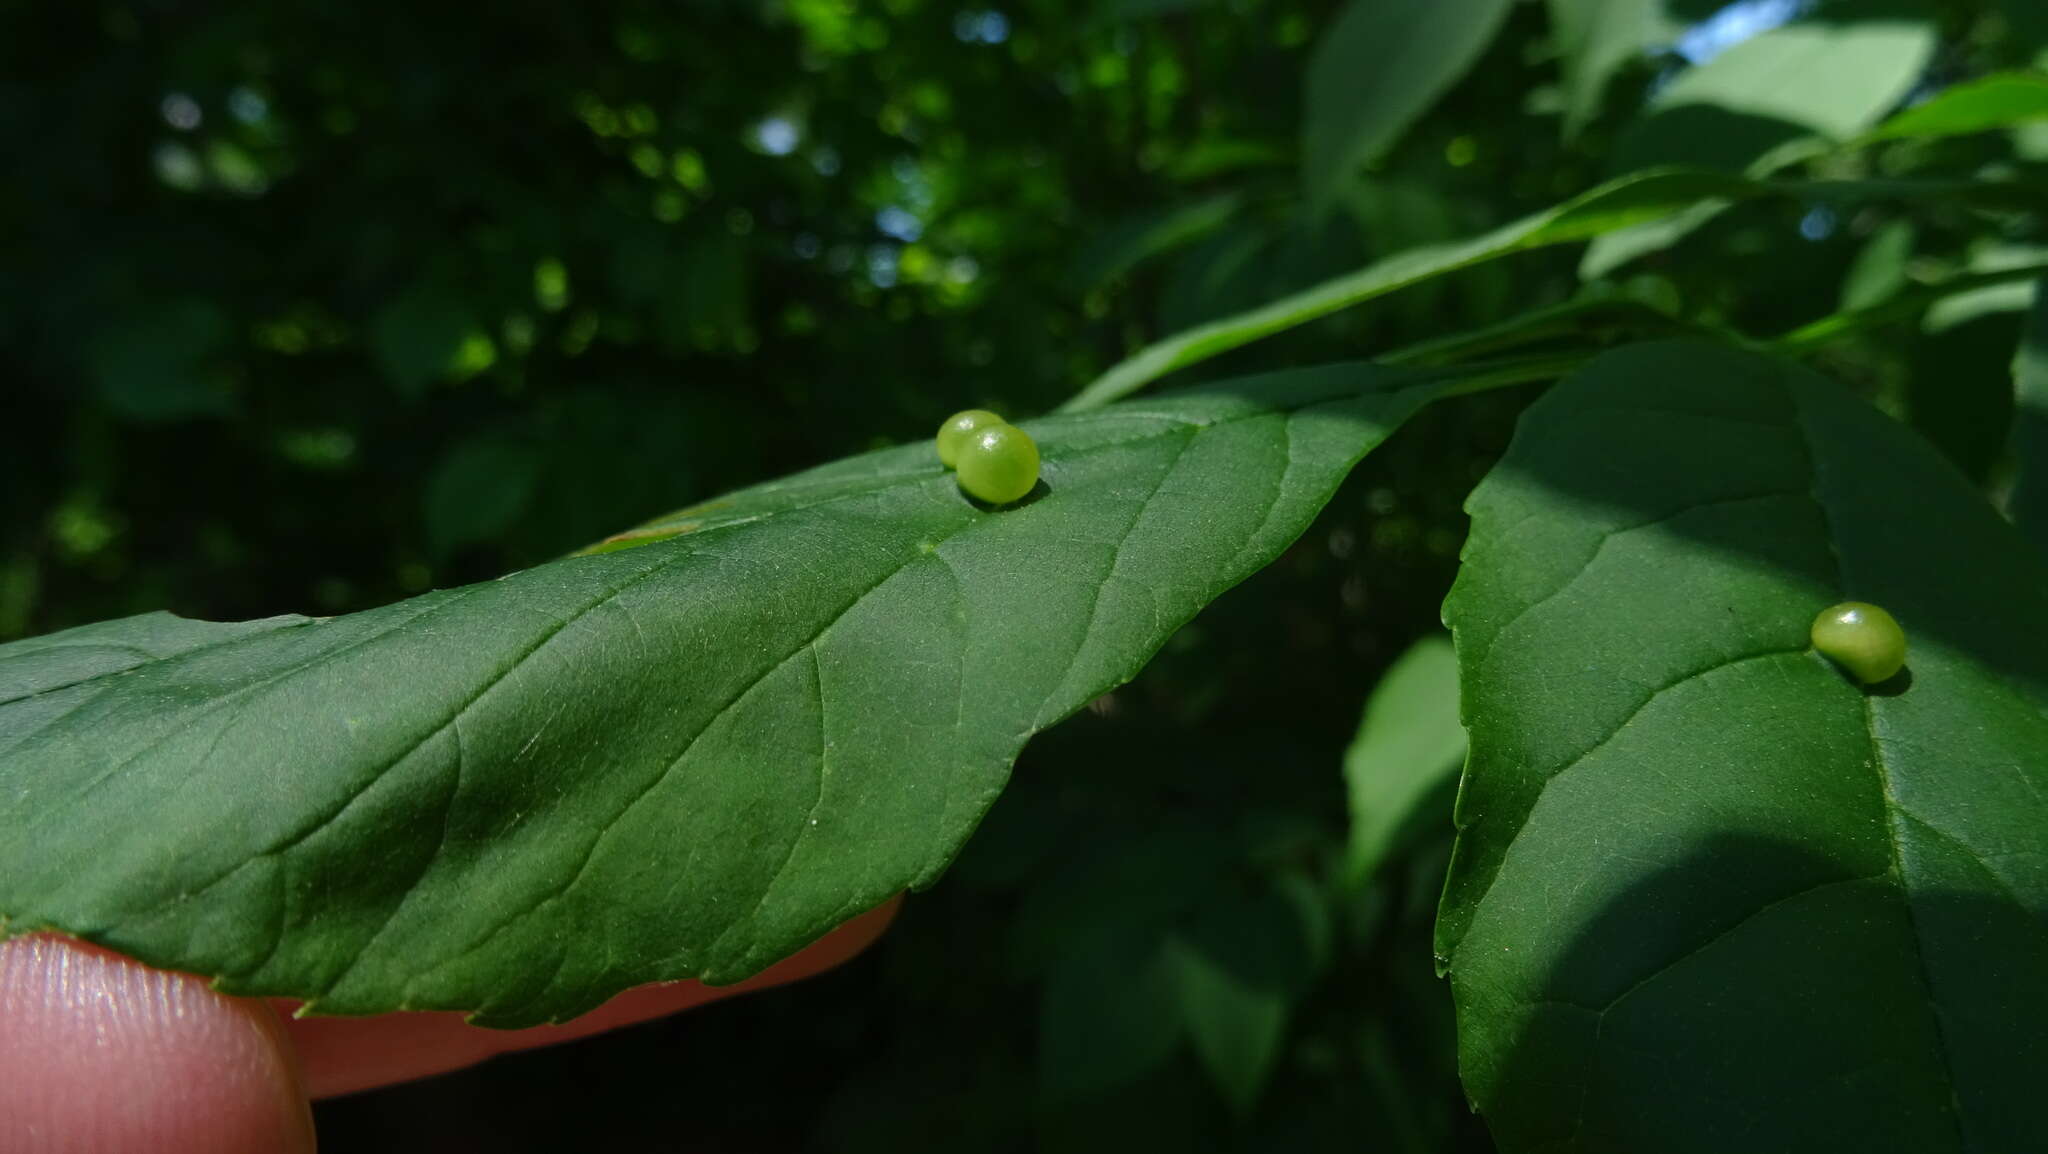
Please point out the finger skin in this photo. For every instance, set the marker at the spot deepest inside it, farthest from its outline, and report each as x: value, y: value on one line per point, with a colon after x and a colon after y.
x: 343, y: 1055
x: 100, y: 1054
x: 103, y: 1055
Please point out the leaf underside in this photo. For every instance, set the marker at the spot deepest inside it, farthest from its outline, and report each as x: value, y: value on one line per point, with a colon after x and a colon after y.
x: 1709, y: 894
x: 682, y: 759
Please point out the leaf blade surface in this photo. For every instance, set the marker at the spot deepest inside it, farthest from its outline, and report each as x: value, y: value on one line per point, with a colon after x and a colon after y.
x: 684, y: 758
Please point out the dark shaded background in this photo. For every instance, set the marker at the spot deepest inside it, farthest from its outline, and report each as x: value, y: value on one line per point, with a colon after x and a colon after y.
x: 309, y: 307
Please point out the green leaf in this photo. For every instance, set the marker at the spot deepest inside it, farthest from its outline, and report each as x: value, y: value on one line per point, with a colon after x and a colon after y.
x: 2026, y: 22
x: 479, y: 490
x: 1379, y: 67
x: 418, y: 337
x: 2028, y: 503
x: 685, y: 755
x: 1410, y: 744
x: 1223, y: 273
x: 1211, y: 157
x: 1879, y: 270
x: 1833, y: 79
x: 1145, y: 881
x: 1597, y: 312
x: 1946, y: 303
x: 1642, y: 198
x: 1994, y: 102
x: 1757, y: 107
x: 2013, y: 294
x: 1235, y: 1026
x: 1142, y: 237
x: 1610, y: 251
x: 1630, y: 200
x: 1109, y: 1014
x: 1597, y: 38
x: 1623, y: 246
x: 154, y: 368
x: 1959, y: 390
x: 1394, y: 1087
x: 1120, y: 11
x: 1240, y: 964
x: 1709, y: 894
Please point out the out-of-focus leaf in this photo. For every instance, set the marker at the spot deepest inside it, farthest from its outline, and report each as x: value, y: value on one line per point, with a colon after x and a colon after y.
x: 1235, y: 1026
x: 2026, y: 22
x: 1600, y: 310
x: 1146, y: 880
x: 1396, y: 214
x: 1110, y: 1013
x: 1239, y: 965
x: 1217, y: 276
x: 1393, y: 214
x: 1959, y: 392
x: 153, y: 368
x: 1213, y: 157
x: 418, y: 337
x: 686, y: 755
x: 1993, y: 102
x: 479, y: 490
x: 1709, y: 893
x: 1833, y: 79
x: 1394, y: 1089
x: 1148, y: 235
x: 1130, y: 10
x: 1403, y: 762
x: 1750, y: 108
x: 1615, y: 249
x: 2008, y: 296
x: 1377, y: 68
x: 1954, y: 312
x: 703, y: 300
x: 1709, y: 136
x: 2028, y: 503
x: 695, y: 285
x: 1630, y: 200
x: 1912, y: 303
x: 1879, y: 271
x: 1598, y: 37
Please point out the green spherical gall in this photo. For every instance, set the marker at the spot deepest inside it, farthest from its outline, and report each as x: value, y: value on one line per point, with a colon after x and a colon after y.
x: 1861, y: 638
x: 957, y: 428
x: 998, y: 464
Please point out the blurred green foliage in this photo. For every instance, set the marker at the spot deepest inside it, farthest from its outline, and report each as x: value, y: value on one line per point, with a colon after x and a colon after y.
x: 355, y: 262
x: 309, y: 307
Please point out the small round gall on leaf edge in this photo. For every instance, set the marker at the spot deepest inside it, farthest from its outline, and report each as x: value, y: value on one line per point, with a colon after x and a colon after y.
x: 954, y: 431
x: 999, y: 464
x: 1861, y: 638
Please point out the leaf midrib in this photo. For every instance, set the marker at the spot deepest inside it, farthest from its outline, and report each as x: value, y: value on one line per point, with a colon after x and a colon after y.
x: 1189, y: 428
x: 1891, y: 810
x: 1887, y: 798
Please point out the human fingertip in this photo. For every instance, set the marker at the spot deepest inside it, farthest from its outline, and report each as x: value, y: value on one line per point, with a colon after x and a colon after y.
x: 102, y: 1054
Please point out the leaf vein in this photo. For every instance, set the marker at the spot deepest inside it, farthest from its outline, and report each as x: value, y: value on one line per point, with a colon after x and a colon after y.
x: 1116, y: 554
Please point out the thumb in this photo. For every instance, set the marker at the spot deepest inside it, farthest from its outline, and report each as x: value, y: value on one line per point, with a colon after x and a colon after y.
x: 100, y: 1054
